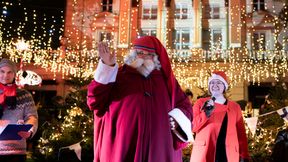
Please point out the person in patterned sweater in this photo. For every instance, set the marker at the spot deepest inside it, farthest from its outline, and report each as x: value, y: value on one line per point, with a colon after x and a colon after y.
x: 16, y: 106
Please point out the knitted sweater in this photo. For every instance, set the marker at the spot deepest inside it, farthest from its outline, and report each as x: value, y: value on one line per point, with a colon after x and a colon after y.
x: 25, y: 110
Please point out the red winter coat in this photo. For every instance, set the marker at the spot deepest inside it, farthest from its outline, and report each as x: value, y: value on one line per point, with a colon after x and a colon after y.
x: 207, y: 130
x: 131, y: 122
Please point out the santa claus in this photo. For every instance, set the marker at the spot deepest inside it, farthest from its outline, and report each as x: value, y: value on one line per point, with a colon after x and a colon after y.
x: 140, y: 111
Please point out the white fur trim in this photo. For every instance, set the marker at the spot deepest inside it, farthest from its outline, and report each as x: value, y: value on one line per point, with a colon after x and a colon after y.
x: 105, y: 74
x: 183, y: 122
x: 215, y: 76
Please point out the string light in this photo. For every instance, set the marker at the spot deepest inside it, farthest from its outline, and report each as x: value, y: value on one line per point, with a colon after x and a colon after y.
x: 191, y: 70
x: 70, y: 122
x: 78, y: 58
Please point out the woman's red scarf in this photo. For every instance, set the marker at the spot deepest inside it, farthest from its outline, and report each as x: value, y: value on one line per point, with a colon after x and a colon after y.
x: 7, y: 96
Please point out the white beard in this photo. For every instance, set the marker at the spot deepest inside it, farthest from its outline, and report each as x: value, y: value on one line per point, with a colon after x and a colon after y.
x: 137, y: 63
x: 144, y: 67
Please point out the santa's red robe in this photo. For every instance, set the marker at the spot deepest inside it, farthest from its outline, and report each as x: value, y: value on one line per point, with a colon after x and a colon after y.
x: 131, y: 121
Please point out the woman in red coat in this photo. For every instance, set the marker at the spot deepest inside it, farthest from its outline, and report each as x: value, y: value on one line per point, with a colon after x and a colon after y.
x: 218, y: 125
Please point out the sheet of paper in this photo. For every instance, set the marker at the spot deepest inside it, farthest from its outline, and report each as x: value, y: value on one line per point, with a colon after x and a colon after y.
x: 10, y: 132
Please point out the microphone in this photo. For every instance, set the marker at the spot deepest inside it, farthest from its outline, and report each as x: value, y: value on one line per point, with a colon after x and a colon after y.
x: 210, y: 107
x: 213, y: 98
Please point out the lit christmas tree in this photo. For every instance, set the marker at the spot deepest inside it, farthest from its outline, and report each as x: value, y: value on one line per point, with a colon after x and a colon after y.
x: 262, y: 143
x: 71, y: 130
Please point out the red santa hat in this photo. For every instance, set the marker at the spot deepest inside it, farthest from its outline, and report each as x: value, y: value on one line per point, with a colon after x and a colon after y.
x: 220, y: 75
x: 153, y: 45
x: 144, y: 44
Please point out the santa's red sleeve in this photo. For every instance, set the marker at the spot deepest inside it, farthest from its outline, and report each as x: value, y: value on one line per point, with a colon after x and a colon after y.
x: 100, y: 88
x: 182, y: 113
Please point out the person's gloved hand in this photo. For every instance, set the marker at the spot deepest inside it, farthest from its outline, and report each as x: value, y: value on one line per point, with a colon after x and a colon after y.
x: 173, y: 124
x: 208, y: 107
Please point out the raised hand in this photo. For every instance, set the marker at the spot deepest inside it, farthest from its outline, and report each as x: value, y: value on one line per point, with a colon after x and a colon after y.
x: 104, y: 53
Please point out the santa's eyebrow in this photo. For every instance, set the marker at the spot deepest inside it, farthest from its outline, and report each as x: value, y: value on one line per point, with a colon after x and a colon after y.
x: 139, y: 52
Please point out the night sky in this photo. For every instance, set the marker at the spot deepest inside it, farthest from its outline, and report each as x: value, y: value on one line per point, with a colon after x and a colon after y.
x: 45, y: 4
x: 48, y: 19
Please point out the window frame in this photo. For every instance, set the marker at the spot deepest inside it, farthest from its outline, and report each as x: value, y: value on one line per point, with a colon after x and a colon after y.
x: 182, y: 11
x: 104, y: 34
x: 258, y: 5
x: 256, y: 45
x: 152, y: 11
x: 179, y: 43
x: 212, y: 11
x: 214, y: 42
x: 149, y: 32
x: 107, y: 5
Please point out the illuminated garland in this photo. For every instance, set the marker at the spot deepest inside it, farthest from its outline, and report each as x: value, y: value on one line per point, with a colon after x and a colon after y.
x: 190, y: 70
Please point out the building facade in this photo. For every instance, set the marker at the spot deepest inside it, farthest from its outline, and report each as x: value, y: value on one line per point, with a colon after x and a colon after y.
x: 201, y: 31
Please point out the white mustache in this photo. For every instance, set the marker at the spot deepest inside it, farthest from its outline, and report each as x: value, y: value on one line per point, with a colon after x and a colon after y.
x: 149, y: 64
x: 137, y: 63
x: 147, y: 67
x: 144, y: 67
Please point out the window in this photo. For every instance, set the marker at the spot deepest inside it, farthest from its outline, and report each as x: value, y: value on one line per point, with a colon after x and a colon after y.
x: 181, y: 11
x: 215, y: 12
x: 149, y: 12
x: 217, y: 38
x: 182, y: 39
x: 212, y: 39
x: 106, y: 36
x: 107, y: 5
x: 258, y: 5
x: 150, y: 32
x: 211, y: 12
x: 206, y: 39
x: 258, y: 41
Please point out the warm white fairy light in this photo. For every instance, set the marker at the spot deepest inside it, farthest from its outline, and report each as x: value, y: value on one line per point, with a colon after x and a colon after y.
x: 190, y: 71
x: 70, y: 122
x: 30, y: 78
x: 22, y: 45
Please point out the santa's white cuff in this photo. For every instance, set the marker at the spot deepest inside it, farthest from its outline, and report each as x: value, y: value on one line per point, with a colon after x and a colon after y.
x: 105, y: 74
x: 183, y: 122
